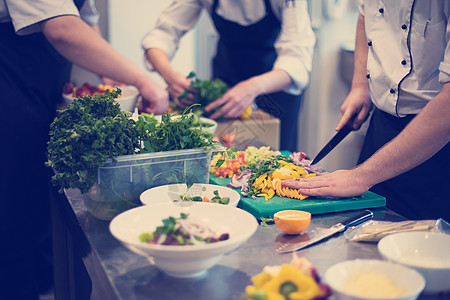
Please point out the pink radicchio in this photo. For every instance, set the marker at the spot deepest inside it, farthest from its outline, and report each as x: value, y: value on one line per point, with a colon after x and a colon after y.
x: 297, y: 157
x: 241, y: 181
x: 300, y: 159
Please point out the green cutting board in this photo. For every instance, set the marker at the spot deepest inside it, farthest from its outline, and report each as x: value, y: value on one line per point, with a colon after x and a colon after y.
x: 261, y: 208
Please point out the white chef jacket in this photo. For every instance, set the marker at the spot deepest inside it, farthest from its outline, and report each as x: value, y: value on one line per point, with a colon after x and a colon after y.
x: 26, y: 15
x: 294, y: 46
x: 409, y: 52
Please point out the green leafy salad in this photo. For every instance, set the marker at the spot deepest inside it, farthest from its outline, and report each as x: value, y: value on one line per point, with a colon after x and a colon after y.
x: 216, y: 199
x: 205, y: 92
x: 93, y: 130
x: 183, y: 230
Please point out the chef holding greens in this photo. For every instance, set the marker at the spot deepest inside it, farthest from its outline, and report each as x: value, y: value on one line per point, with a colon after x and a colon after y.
x: 264, y: 53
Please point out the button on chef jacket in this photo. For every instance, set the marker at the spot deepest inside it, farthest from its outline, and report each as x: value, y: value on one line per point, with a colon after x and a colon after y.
x: 294, y: 46
x: 406, y: 66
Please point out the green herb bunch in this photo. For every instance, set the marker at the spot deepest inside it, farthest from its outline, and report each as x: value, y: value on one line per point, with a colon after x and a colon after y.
x: 205, y: 92
x: 89, y: 132
x: 94, y: 130
x: 172, y: 133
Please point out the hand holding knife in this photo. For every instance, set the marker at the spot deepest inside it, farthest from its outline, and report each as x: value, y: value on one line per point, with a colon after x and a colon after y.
x: 337, y: 138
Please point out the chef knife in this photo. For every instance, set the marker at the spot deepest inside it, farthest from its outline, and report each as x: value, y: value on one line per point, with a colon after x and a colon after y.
x: 337, y: 138
x: 323, y: 233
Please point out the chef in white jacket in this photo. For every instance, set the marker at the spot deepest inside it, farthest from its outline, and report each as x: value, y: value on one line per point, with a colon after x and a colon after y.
x: 264, y: 53
x: 402, y: 68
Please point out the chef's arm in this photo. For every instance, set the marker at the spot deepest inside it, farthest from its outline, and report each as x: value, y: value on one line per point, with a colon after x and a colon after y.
x: 357, y: 105
x: 270, y: 82
x: 76, y: 41
x: 234, y: 102
x: 106, y: 80
x: 176, y: 81
x: 424, y: 136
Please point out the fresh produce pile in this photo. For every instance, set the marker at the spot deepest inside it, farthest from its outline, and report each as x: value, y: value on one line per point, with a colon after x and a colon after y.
x: 87, y: 89
x: 259, y: 171
x: 182, y: 231
x: 94, y: 130
x: 294, y: 281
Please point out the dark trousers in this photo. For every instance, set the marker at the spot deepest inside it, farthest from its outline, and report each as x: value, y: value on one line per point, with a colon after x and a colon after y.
x: 32, y: 75
x: 285, y: 107
x: 422, y: 192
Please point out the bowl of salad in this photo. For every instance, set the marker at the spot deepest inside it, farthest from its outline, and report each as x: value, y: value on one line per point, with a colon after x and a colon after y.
x: 181, y: 194
x: 183, y: 241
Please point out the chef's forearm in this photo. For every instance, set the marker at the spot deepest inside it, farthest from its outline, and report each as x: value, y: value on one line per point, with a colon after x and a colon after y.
x: 426, y: 134
x: 270, y: 82
x: 80, y: 44
x: 161, y: 63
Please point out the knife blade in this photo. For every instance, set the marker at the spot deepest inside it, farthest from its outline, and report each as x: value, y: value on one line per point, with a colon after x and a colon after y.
x: 322, y: 234
x: 337, y: 138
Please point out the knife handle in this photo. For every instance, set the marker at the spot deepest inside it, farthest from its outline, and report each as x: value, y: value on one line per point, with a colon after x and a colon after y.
x: 358, y: 218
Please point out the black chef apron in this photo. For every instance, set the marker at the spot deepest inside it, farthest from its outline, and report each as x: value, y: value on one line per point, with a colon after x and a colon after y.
x: 247, y: 51
x: 32, y: 75
x: 421, y: 193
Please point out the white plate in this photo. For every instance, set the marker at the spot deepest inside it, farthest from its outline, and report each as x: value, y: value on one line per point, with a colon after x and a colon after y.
x: 171, y: 193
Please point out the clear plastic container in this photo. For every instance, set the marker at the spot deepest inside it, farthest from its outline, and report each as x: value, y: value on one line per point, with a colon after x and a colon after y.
x: 120, y: 183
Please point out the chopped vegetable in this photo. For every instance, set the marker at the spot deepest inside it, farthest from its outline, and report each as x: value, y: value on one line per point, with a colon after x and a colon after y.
x: 183, y: 230
x: 215, y: 199
x: 296, y: 280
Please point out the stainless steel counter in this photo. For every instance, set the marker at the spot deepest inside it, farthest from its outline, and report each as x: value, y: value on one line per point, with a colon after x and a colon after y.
x: 117, y: 273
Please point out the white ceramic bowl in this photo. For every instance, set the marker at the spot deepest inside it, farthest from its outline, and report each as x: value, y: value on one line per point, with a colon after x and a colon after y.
x: 171, y: 193
x: 338, y: 275
x: 427, y: 252
x: 127, y: 100
x: 188, y: 260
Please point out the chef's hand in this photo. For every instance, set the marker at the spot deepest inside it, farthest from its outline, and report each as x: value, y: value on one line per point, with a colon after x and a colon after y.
x: 234, y: 102
x: 176, y: 84
x: 112, y: 82
x: 341, y: 183
x: 355, y: 108
x: 155, y: 98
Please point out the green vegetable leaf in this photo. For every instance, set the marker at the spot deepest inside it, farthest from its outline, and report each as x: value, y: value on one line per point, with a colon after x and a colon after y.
x: 206, y: 91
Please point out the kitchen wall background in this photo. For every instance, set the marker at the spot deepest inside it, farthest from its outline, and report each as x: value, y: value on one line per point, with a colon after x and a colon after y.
x: 124, y: 24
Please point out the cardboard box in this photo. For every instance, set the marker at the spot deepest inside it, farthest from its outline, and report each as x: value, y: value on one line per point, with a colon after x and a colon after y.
x: 261, y: 129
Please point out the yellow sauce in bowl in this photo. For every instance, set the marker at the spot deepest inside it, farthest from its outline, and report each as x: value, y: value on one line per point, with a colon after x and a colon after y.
x: 367, y: 283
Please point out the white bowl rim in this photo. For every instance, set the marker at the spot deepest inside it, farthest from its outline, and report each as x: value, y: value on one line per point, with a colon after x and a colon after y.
x: 414, y: 292
x: 134, y: 93
x: 389, y: 237
x: 149, y: 191
x: 187, y: 248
